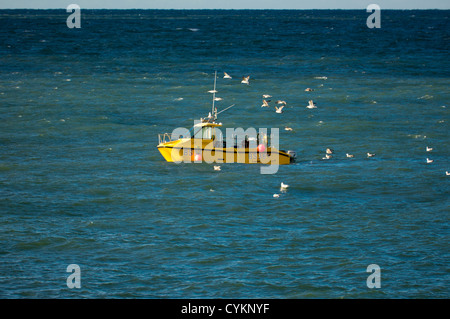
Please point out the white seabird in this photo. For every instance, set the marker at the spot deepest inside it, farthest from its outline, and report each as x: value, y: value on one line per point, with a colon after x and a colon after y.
x: 226, y: 75
x: 265, y: 104
x: 217, y: 168
x: 429, y: 161
x: 429, y: 149
x: 279, y: 109
x: 311, y: 105
x: 245, y: 79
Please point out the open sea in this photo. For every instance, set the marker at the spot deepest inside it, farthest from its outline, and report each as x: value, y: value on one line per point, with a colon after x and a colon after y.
x: 82, y: 182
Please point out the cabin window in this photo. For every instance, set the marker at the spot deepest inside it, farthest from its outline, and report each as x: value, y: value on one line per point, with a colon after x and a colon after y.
x: 194, y: 132
x: 206, y: 132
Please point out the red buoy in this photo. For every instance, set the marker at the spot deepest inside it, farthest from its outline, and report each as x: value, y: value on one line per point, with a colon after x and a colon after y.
x: 198, y: 157
x: 261, y: 148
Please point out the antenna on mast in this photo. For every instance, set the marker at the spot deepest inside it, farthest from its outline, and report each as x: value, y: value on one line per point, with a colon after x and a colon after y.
x: 225, y: 109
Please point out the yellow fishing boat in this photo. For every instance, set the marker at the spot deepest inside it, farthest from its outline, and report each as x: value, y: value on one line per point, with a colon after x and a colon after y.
x: 204, y: 143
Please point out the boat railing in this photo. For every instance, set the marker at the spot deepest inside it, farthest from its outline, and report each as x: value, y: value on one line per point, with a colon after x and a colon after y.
x: 164, y: 138
x: 167, y: 137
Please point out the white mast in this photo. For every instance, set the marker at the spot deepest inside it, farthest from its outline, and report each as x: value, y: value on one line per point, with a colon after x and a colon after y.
x: 214, y: 95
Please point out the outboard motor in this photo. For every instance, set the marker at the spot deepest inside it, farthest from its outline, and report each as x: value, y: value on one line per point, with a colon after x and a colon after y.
x: 292, y: 155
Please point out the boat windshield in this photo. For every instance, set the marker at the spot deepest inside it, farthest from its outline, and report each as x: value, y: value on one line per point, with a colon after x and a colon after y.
x: 194, y: 131
x: 205, y: 132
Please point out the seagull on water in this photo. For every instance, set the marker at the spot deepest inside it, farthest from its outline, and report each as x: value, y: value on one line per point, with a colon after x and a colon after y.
x: 276, y: 195
x: 245, y: 79
x: 429, y: 161
x: 266, y: 96
x: 284, y: 186
x: 226, y: 75
x: 311, y: 105
x: 218, y: 99
x: 265, y: 104
x: 308, y: 90
x: 429, y: 149
x: 349, y: 155
x: 447, y: 173
x: 370, y: 154
x: 213, y: 91
x: 217, y: 168
x: 327, y: 156
x: 288, y: 128
x: 329, y: 151
x: 281, y: 102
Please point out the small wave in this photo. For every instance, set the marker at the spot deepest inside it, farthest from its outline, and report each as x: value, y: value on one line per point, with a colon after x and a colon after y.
x: 425, y: 97
x: 417, y: 136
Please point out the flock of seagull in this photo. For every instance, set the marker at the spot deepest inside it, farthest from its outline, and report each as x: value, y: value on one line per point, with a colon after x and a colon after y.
x: 311, y: 105
x: 328, y: 155
x: 329, y: 152
x: 281, y: 104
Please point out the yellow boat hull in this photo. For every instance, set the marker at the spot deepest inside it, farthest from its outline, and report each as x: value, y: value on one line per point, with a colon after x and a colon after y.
x: 179, y: 152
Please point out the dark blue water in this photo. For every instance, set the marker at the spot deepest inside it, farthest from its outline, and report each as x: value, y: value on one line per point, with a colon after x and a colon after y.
x: 81, y: 180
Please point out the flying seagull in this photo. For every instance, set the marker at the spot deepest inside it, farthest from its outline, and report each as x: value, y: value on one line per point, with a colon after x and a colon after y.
x: 245, y: 79
x: 311, y: 105
x: 279, y: 109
